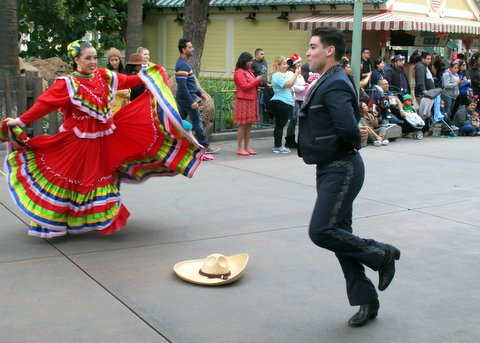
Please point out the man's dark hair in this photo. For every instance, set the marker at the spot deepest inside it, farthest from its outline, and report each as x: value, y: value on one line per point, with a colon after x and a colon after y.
x: 257, y: 50
x: 332, y: 36
x: 425, y: 54
x: 182, y: 44
x: 377, y: 62
x: 469, y: 101
x: 364, y: 49
x: 243, y: 59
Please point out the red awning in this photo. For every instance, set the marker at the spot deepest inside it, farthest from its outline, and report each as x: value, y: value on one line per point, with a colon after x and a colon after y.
x: 387, y: 22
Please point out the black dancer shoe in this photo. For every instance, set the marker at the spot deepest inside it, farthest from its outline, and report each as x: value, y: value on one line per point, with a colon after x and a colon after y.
x: 387, y: 269
x: 366, y: 312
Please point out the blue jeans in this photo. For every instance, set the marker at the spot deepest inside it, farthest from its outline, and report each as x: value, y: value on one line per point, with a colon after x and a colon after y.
x: 448, y: 104
x: 186, y: 110
x: 293, y: 118
x: 338, y: 184
x: 467, y: 129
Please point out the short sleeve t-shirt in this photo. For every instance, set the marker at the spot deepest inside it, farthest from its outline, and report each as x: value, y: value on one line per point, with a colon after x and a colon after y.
x: 280, y: 92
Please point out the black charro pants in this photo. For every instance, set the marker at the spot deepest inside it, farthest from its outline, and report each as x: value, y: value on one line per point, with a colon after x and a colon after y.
x: 338, y: 184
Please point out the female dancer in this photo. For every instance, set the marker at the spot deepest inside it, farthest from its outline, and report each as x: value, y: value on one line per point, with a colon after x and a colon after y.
x: 69, y: 182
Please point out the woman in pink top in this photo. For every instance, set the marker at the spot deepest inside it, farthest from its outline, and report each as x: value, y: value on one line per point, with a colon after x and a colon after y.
x: 245, y: 112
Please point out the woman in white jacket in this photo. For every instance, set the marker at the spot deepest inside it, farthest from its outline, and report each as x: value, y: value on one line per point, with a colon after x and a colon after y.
x: 297, y: 92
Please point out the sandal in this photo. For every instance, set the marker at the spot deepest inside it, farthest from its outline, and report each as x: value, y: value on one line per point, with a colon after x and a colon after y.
x: 242, y: 153
x: 207, y: 157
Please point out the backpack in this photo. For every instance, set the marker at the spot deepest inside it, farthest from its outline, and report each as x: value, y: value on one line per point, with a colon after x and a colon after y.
x: 267, y: 96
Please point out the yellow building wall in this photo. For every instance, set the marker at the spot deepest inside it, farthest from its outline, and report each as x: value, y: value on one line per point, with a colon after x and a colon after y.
x: 457, y: 5
x: 273, y: 36
x: 451, y: 4
x: 150, y: 40
x: 229, y: 34
x: 173, y: 32
x: 213, y: 57
x: 214, y: 51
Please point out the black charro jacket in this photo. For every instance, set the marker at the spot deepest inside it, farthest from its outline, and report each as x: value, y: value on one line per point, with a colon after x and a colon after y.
x: 328, y: 121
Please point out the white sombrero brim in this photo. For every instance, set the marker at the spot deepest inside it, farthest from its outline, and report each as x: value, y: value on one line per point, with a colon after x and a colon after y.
x: 188, y: 270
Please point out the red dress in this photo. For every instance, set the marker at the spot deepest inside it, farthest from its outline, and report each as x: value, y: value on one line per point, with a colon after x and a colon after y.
x: 69, y: 182
x: 246, y: 97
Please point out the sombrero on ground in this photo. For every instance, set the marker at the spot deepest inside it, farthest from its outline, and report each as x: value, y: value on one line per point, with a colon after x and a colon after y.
x: 215, y: 270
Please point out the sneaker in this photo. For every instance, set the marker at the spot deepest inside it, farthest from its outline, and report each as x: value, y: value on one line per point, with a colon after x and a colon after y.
x: 281, y: 150
x: 212, y: 150
x: 377, y: 143
x: 385, y: 142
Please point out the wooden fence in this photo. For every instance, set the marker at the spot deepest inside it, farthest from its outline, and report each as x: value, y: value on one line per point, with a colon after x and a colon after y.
x: 14, y: 102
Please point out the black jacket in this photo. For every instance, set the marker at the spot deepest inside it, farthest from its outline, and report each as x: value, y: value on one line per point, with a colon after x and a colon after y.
x: 394, y: 75
x: 328, y: 122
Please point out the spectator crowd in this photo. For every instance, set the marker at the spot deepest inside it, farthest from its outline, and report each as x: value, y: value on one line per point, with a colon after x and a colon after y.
x: 394, y: 101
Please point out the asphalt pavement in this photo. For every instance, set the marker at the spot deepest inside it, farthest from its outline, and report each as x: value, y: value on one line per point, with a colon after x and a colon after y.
x: 421, y: 196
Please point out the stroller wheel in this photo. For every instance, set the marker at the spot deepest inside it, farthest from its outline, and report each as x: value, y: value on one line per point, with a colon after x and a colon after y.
x: 418, y: 135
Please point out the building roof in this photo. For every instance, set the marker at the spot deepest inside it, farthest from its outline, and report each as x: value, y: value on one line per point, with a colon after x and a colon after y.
x: 237, y: 3
x: 387, y: 22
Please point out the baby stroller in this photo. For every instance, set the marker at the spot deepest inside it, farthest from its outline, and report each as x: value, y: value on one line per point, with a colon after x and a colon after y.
x: 412, y: 122
x: 386, y: 106
x: 416, y: 123
x: 430, y: 104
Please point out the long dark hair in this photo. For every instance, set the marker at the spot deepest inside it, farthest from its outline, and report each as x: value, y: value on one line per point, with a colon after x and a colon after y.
x: 378, y: 61
x: 243, y: 59
x: 121, y: 69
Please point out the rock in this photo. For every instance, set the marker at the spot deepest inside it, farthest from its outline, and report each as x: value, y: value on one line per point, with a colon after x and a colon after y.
x: 207, y: 107
x: 48, y: 69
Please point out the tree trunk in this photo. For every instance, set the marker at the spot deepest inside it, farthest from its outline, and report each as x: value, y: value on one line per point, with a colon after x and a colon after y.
x: 9, y: 43
x: 195, y: 29
x: 134, y: 26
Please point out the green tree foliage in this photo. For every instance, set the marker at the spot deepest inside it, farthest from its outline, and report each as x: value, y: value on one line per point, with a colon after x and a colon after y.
x: 52, y: 24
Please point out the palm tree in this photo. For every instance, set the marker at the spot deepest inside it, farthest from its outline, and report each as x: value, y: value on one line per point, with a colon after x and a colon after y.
x: 134, y: 26
x: 195, y: 29
x: 9, y: 43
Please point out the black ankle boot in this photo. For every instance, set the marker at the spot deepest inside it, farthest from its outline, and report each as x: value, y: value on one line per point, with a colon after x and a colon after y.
x: 366, y: 312
x: 387, y: 271
x: 290, y: 142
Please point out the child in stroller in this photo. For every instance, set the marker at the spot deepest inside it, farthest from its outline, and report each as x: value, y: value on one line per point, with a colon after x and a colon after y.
x: 410, y: 121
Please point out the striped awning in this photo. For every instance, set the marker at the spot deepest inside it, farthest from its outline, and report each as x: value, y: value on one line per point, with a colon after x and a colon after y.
x: 388, y: 21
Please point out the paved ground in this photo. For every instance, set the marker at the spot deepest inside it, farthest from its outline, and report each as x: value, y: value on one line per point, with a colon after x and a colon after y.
x: 422, y: 196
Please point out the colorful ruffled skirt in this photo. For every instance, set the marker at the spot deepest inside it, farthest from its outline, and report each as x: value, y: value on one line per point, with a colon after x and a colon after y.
x: 66, y: 184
